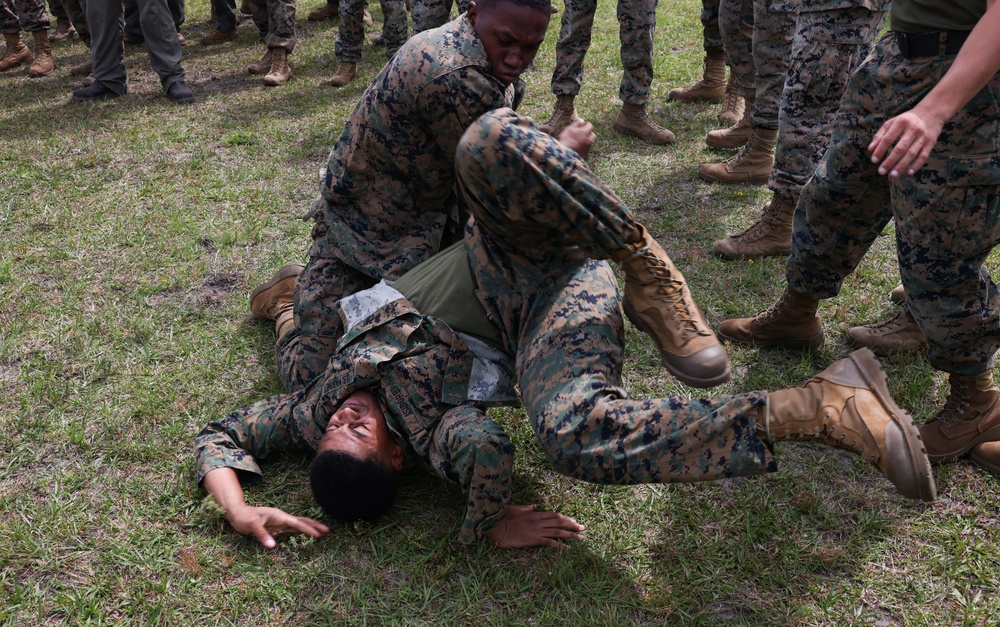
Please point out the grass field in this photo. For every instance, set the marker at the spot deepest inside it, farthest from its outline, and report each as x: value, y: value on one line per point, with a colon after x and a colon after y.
x: 131, y: 233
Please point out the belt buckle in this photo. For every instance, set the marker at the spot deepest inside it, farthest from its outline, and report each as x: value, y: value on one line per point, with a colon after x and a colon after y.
x: 903, y: 42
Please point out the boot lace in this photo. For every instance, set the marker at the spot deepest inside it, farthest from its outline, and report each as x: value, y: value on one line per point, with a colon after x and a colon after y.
x: 732, y: 102
x: 954, y: 407
x: 901, y: 320
x: 671, y: 291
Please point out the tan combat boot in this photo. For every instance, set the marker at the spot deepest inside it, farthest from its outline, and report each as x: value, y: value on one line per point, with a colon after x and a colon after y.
x: 562, y: 115
x: 633, y: 120
x: 280, y: 72
x: 345, y: 74
x: 44, y: 63
x: 263, y: 66
x: 734, y: 106
x: 987, y: 455
x: 328, y: 11
x: 753, y: 164
x: 735, y: 136
x: 899, y: 334
x: 792, y: 322
x: 82, y: 69
x: 848, y: 406
x: 970, y: 416
x: 275, y: 299
x: 658, y: 302
x: 771, y: 235
x: 898, y: 294
x: 17, y: 53
x: 711, y: 87
x: 63, y: 31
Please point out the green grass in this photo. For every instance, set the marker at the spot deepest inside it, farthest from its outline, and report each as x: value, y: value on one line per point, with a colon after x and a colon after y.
x: 132, y: 233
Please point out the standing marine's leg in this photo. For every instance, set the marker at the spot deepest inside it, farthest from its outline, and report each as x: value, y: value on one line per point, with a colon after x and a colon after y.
x: 712, y: 86
x: 637, y: 21
x: 17, y: 53
x: 395, y: 25
x: 571, y: 47
x: 350, y: 37
x: 161, y: 41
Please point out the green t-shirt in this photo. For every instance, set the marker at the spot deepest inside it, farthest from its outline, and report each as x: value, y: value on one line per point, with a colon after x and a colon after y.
x: 442, y: 287
x: 925, y: 16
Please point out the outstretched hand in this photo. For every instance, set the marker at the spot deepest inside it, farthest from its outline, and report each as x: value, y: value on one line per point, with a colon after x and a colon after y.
x: 264, y: 522
x: 910, y: 136
x: 522, y: 526
x: 579, y: 136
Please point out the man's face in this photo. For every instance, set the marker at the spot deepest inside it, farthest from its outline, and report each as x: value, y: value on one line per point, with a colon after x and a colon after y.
x: 358, y: 428
x: 511, y: 35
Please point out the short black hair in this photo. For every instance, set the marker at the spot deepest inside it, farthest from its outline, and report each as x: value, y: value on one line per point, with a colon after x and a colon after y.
x: 541, y: 5
x: 349, y: 488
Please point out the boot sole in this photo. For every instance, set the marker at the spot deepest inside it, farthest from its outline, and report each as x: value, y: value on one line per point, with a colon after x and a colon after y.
x: 757, y: 180
x: 292, y: 269
x: 983, y: 462
x: 922, y: 487
x: 760, y: 255
x: 710, y: 99
x: 680, y: 375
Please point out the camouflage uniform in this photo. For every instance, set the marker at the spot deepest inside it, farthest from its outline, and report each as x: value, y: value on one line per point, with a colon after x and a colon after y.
x: 351, y: 32
x: 758, y: 40
x: 637, y: 19
x: 76, y: 12
x: 29, y: 15
x: 428, y: 14
x: 540, y: 219
x: 388, y: 201
x: 275, y: 20
x: 710, y: 27
x: 947, y: 214
x: 832, y: 37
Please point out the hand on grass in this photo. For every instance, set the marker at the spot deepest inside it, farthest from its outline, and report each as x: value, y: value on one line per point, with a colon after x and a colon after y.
x: 910, y: 136
x: 264, y: 522
x: 578, y: 136
x: 522, y: 526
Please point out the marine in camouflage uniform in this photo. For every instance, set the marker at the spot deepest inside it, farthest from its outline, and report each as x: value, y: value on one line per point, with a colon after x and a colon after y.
x: 946, y: 216
x: 27, y: 15
x: 428, y: 14
x: 32, y: 17
x: 275, y: 21
x: 387, y: 194
x: 351, y: 32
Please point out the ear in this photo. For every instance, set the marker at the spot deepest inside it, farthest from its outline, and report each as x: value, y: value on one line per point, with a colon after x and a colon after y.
x: 472, y: 13
x: 396, y: 458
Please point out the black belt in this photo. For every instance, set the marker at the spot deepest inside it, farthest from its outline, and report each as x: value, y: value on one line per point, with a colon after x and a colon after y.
x: 930, y: 44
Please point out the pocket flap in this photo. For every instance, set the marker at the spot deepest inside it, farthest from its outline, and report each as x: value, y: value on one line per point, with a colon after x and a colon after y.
x: 974, y: 170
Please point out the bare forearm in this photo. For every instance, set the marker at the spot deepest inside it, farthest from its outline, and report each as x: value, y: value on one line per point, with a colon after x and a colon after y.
x: 224, y: 486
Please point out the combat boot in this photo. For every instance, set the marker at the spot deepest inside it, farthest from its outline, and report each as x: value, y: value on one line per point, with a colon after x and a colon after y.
x: 733, y: 106
x: 82, y: 69
x: 970, y: 416
x: 366, y: 19
x: 899, y: 334
x: 987, y: 455
x: 658, y: 302
x: 562, y: 115
x: 633, y: 120
x: 711, y: 87
x: 275, y: 299
x: 63, y: 31
x: 263, y: 66
x: 735, y: 136
x: 848, y: 406
x: 345, y: 74
x: 44, y: 64
x: 280, y: 72
x: 791, y: 322
x: 753, y: 164
x: 771, y: 235
x: 17, y: 53
x: 218, y: 36
x: 898, y: 294
x: 329, y: 11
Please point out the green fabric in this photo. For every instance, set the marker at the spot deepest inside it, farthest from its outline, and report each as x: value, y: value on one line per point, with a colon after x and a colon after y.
x: 924, y: 16
x: 442, y: 287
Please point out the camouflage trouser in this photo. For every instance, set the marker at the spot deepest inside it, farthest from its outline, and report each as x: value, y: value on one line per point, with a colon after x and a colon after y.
x: 757, y: 51
x: 540, y: 219
x: 637, y: 19
x: 351, y: 32
x: 947, y: 214
x: 275, y: 20
x: 76, y: 10
x: 710, y: 27
x: 429, y: 14
x: 303, y: 355
x: 29, y: 15
x: 828, y: 46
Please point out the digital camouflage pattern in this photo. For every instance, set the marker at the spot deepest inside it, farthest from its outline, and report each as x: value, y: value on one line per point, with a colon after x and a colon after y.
x: 351, y: 30
x: 827, y: 47
x: 27, y: 15
x: 710, y: 26
x: 275, y: 21
x: 759, y: 64
x: 637, y: 20
x: 387, y: 194
x: 420, y: 371
x: 428, y: 14
x: 947, y: 214
x: 541, y: 219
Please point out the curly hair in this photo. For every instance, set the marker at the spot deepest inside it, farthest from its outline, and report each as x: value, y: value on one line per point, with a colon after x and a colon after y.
x: 348, y: 488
